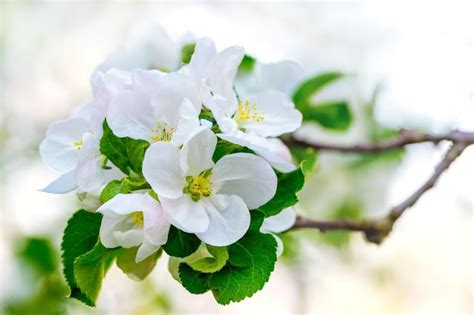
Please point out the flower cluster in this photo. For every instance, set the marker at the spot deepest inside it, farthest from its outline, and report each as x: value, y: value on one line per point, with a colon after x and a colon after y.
x: 190, y: 147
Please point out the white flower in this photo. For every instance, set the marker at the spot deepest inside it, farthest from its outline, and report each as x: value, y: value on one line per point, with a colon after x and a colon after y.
x: 158, y: 107
x: 253, y: 118
x: 279, y: 223
x: 131, y: 220
x: 210, y: 200
x: 148, y: 47
x: 214, y: 73
x: 71, y: 146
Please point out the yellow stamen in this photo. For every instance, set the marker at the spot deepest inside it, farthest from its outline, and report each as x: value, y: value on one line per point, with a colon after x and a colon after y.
x: 161, y: 133
x: 199, y: 186
x: 78, y: 144
x: 137, y: 218
x: 246, y: 112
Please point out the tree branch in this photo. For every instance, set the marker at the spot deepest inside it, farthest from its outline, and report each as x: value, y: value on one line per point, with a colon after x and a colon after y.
x: 405, y: 137
x: 377, y: 229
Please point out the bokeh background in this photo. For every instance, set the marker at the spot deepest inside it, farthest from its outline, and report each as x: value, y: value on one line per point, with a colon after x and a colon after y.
x: 419, y: 55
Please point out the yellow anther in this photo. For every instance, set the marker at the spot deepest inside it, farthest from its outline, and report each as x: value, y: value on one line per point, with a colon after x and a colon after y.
x: 137, y: 218
x: 199, y: 186
x: 77, y: 144
x: 161, y: 133
x: 246, y: 112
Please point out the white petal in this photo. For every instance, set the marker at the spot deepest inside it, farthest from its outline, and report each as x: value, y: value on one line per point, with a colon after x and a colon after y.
x: 89, y: 174
x: 57, y: 149
x: 162, y: 170
x: 188, y: 124
x: 271, y: 151
x: 107, y: 228
x: 130, y: 114
x: 196, y: 154
x: 63, y: 184
x: 222, y: 111
x: 204, y: 52
x: 280, y: 246
x: 223, y: 71
x: 146, y: 81
x: 122, y: 204
x: 186, y: 214
x: 229, y: 219
x: 280, y: 222
x: 129, y: 238
x: 280, y: 115
x: 156, y: 225
x: 145, y: 250
x: 247, y: 176
x: 173, y: 88
x: 282, y: 76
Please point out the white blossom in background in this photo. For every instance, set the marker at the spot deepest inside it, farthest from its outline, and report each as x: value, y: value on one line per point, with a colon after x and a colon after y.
x: 157, y: 107
x: 210, y: 200
x: 278, y: 224
x: 249, y: 119
x: 281, y: 76
x: 131, y: 220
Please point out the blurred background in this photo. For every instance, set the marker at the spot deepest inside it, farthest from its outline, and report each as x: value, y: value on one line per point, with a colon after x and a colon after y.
x: 419, y: 55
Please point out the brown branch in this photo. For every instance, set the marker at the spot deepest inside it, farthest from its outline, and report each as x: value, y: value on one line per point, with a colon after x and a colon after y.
x: 376, y: 230
x: 405, y: 137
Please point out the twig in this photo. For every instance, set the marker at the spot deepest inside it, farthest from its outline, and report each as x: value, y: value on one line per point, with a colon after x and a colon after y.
x: 376, y: 230
x: 405, y: 137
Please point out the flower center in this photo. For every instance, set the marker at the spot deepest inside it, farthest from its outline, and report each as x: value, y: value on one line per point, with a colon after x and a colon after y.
x: 78, y: 144
x: 247, y: 112
x: 137, y: 218
x: 199, y: 186
x: 161, y: 133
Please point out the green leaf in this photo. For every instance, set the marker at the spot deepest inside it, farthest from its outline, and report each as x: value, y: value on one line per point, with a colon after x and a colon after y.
x: 80, y: 236
x: 216, y: 261
x: 123, y: 186
x: 250, y: 263
x: 256, y: 220
x: 334, y: 115
x: 90, y: 269
x: 288, y: 185
x: 125, y: 153
x: 224, y: 148
x: 181, y: 244
x: 306, y: 158
x: 39, y: 253
x: 247, y: 64
x: 136, y: 271
x: 310, y: 87
x: 187, y: 52
x: 111, y: 190
x: 194, y: 281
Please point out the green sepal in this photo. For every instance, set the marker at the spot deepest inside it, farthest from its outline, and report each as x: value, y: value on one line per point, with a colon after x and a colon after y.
x: 136, y: 271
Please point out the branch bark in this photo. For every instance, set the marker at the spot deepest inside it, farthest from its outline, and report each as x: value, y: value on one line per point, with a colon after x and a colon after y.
x: 377, y: 229
x: 405, y: 137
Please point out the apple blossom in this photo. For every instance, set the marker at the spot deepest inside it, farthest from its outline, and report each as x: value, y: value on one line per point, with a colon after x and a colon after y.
x: 210, y: 200
x: 71, y: 146
x: 250, y: 119
x: 158, y: 107
x: 131, y: 220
